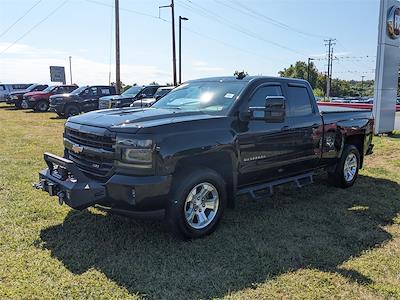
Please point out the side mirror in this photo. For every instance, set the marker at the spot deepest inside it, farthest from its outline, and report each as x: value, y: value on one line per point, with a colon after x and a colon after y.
x: 273, y: 112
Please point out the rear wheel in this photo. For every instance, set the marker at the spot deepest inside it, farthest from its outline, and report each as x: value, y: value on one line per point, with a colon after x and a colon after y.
x: 71, y: 110
x: 347, y: 168
x: 42, y: 106
x: 198, y: 201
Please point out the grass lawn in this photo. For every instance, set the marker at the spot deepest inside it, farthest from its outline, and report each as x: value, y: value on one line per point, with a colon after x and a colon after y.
x: 317, y: 242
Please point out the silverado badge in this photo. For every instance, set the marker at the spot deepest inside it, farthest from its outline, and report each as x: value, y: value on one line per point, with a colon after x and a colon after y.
x: 77, y: 149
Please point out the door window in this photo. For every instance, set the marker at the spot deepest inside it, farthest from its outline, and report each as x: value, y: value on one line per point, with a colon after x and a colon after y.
x: 2, y: 88
x: 259, y: 97
x: 94, y: 91
x: 299, y: 101
x: 105, y: 91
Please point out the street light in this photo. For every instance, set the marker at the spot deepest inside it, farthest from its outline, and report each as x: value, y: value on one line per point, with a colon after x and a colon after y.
x: 180, y: 46
x: 308, y: 68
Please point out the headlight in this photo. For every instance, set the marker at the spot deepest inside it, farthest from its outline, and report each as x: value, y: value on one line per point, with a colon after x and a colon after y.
x: 137, y: 152
x: 14, y: 97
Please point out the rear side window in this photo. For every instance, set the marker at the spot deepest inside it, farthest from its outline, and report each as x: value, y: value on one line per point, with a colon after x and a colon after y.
x: 259, y: 97
x: 20, y: 86
x: 299, y: 101
x: 105, y: 91
x: 2, y: 88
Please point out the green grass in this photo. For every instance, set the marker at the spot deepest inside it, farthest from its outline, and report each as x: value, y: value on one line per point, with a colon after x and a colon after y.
x: 318, y: 242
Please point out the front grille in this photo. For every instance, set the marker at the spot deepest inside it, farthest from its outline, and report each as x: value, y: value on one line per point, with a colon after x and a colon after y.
x: 104, y: 104
x: 93, y: 165
x: 88, y: 139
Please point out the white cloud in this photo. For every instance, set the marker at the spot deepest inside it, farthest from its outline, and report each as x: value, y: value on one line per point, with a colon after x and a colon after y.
x: 23, y: 63
x: 204, y: 67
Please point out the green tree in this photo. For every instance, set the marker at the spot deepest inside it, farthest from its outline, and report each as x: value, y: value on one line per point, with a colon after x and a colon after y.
x: 300, y: 70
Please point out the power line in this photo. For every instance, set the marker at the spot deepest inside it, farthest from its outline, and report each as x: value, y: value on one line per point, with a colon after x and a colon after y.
x: 272, y: 21
x: 217, y: 18
x: 20, y: 18
x: 33, y: 27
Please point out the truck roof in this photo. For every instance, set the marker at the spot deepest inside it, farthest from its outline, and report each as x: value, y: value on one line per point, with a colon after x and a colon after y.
x: 249, y: 79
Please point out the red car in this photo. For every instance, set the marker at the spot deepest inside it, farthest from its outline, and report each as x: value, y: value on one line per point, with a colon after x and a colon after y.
x: 39, y: 101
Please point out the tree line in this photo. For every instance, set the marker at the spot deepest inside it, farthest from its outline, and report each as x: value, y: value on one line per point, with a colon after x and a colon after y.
x: 339, y: 87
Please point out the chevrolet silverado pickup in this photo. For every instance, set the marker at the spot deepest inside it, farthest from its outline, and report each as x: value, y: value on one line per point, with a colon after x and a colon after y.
x: 186, y: 158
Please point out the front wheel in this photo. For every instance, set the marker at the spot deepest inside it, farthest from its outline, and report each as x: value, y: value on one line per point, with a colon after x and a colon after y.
x: 347, y: 168
x: 71, y: 110
x: 42, y: 106
x: 198, y: 201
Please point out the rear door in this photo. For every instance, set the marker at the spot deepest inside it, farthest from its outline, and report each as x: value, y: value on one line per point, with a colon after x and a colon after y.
x: 306, y: 126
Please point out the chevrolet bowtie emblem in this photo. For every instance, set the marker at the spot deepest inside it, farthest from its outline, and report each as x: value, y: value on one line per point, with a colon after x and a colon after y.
x: 76, y: 149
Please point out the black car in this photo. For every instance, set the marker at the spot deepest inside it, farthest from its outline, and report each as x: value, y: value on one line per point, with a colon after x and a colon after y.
x: 17, y: 97
x: 147, y: 102
x: 128, y: 97
x: 83, y: 99
x: 186, y: 158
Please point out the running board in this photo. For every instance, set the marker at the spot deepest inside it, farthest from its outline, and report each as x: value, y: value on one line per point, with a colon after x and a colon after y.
x: 300, y: 181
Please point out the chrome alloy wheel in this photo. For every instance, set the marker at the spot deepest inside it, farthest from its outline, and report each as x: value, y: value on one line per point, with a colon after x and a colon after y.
x: 350, y: 167
x: 201, y: 205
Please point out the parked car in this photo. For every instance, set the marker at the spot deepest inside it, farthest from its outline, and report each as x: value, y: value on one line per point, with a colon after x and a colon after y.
x: 147, y: 102
x: 188, y: 156
x: 128, y: 97
x: 39, y: 101
x: 398, y: 101
x: 83, y: 99
x: 6, y: 89
x: 15, y: 98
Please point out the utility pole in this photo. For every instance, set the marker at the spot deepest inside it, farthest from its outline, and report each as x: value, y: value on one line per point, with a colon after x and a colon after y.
x: 180, y: 46
x: 70, y: 69
x: 172, y: 6
x: 362, y: 86
x: 117, y: 51
x: 308, y: 68
x: 330, y: 43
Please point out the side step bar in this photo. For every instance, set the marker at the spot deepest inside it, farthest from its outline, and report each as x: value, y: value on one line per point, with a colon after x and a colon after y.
x: 300, y: 181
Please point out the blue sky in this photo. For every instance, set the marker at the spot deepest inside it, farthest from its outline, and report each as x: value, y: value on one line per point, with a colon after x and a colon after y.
x: 221, y: 36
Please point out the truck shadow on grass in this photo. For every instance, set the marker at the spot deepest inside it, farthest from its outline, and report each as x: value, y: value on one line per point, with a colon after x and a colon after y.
x: 319, y: 227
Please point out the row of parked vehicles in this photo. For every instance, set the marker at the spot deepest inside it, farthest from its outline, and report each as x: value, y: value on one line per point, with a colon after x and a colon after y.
x: 70, y: 100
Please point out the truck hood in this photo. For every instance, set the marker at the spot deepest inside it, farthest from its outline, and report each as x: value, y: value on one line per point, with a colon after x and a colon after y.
x: 116, y: 97
x: 135, y: 118
x: 30, y: 94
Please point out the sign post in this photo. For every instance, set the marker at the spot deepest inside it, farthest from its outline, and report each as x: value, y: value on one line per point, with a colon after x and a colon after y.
x: 57, y: 74
x: 387, y: 66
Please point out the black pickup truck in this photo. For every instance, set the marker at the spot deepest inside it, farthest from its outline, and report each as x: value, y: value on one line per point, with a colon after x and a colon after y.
x: 83, y: 99
x: 188, y: 156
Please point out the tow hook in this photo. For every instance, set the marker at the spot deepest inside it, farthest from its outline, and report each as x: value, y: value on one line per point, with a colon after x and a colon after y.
x: 61, y: 197
x: 38, y: 185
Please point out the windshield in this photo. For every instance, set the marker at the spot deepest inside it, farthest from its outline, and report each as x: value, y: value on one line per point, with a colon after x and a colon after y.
x: 49, y: 89
x: 132, y: 91
x: 31, y: 87
x: 79, y: 90
x: 161, y: 92
x: 210, y: 97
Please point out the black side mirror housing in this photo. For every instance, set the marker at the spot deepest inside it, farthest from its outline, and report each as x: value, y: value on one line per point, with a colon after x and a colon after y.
x: 273, y: 112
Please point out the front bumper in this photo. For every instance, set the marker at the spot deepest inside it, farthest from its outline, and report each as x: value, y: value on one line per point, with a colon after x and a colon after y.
x: 122, y: 194
x: 56, y: 107
x: 28, y: 104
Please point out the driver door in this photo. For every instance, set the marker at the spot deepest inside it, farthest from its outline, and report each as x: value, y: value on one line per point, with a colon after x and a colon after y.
x: 265, y: 147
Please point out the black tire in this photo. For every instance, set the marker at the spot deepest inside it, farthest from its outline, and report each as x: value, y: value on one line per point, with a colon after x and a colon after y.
x: 41, y: 106
x: 338, y: 177
x: 181, y: 189
x: 71, y: 110
x: 18, y: 104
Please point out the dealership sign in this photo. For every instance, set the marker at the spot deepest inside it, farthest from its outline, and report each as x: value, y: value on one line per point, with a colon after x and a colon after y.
x: 57, y: 74
x: 393, y: 22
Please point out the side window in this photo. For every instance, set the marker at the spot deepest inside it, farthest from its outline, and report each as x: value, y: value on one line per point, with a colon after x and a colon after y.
x: 2, y: 88
x: 93, y: 91
x: 258, y: 98
x: 105, y: 91
x: 299, y: 101
x: 87, y: 92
